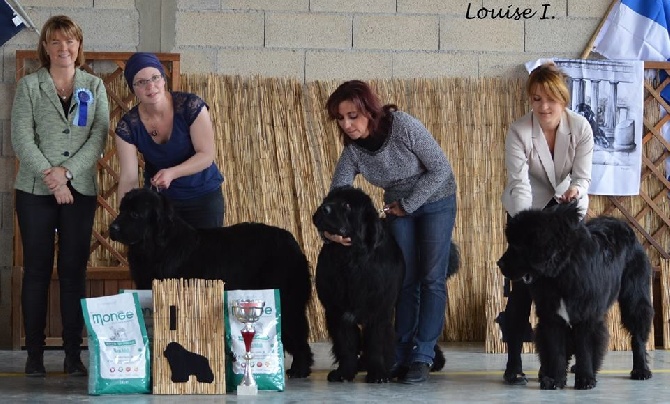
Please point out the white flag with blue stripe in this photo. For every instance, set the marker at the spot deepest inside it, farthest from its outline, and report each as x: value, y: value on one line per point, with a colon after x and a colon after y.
x: 636, y: 29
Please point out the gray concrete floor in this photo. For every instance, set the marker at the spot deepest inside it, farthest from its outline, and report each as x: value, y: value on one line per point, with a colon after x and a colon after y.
x: 470, y: 376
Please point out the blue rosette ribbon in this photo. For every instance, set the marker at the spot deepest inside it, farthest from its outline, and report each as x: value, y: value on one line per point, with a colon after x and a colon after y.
x: 84, y: 98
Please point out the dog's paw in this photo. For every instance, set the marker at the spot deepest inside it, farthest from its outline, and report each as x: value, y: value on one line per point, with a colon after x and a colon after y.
x: 585, y: 382
x: 439, y: 360
x: 640, y: 374
x: 337, y: 376
x: 548, y: 383
x: 298, y: 373
x: 374, y: 377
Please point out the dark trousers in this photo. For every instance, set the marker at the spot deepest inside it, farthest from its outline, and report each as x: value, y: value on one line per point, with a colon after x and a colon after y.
x: 517, y: 325
x: 517, y: 313
x: 41, y: 220
x: 202, y: 212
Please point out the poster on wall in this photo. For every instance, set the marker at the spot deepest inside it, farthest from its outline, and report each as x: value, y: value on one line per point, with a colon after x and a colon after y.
x: 609, y: 94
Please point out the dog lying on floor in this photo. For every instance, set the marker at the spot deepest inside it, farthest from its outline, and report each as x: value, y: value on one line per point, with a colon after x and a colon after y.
x: 244, y: 256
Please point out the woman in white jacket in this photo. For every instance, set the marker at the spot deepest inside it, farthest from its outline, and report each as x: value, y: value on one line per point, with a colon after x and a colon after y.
x: 548, y: 155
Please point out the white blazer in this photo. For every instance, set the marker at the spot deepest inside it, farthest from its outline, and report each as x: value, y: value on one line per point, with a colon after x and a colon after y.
x: 533, y: 176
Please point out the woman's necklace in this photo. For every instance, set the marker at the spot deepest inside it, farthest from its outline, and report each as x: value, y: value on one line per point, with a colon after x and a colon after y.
x: 66, y: 91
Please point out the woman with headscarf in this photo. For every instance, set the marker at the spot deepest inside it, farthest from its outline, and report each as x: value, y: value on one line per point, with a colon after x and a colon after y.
x: 173, y: 131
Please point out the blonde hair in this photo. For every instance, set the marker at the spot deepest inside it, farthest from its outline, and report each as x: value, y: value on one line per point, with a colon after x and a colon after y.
x: 552, y: 80
x: 67, y: 27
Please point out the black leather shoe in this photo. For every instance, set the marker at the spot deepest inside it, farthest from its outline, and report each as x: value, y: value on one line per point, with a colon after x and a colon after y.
x: 35, y: 366
x: 417, y: 373
x: 515, y: 379
x: 72, y: 366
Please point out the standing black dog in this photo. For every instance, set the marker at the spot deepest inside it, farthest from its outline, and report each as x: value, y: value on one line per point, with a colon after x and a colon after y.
x: 244, y: 256
x: 358, y: 285
x: 575, y: 272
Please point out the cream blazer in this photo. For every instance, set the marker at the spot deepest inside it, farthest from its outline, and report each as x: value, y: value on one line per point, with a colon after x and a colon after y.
x: 533, y: 176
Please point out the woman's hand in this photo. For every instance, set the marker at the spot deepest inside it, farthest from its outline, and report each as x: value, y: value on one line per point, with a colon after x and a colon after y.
x: 336, y: 238
x: 163, y: 179
x: 570, y: 195
x: 63, y: 195
x: 54, y: 178
x: 395, y: 209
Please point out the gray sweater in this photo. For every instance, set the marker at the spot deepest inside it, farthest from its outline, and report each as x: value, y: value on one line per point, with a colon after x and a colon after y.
x: 410, y: 166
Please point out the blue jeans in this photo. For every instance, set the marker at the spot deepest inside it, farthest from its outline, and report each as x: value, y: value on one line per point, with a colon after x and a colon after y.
x: 425, y: 239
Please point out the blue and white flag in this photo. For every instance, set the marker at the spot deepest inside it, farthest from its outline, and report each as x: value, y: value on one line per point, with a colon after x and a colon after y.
x: 10, y: 22
x: 636, y: 29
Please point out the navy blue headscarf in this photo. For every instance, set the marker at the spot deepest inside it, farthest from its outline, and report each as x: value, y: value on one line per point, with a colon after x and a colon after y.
x: 139, y: 61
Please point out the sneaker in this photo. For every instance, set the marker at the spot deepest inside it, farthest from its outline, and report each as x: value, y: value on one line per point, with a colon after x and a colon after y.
x: 72, y: 366
x: 35, y: 366
x: 417, y: 373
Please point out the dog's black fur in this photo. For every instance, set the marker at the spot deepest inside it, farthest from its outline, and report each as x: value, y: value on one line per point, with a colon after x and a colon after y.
x: 575, y: 272
x: 184, y: 363
x: 358, y: 286
x: 244, y: 256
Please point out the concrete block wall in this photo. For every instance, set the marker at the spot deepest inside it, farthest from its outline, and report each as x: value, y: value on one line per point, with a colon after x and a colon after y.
x: 341, y: 39
x: 309, y: 40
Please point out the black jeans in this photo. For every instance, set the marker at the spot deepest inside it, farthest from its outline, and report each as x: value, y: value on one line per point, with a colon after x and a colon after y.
x: 41, y: 219
x: 202, y: 212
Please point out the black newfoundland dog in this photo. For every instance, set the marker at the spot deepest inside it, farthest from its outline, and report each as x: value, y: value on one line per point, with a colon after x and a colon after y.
x: 358, y: 286
x: 244, y: 256
x: 575, y: 272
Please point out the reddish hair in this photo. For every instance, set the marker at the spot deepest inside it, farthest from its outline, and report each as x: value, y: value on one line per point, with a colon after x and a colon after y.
x: 367, y: 103
x: 552, y: 80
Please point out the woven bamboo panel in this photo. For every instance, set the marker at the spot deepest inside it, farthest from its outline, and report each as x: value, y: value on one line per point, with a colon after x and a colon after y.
x: 277, y: 150
x: 199, y: 329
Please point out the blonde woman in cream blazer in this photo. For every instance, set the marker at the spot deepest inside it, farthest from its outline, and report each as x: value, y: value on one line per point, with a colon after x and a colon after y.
x: 60, y: 122
x: 548, y: 155
x: 534, y: 176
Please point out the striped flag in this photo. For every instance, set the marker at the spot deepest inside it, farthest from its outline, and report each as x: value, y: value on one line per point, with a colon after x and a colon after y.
x: 636, y: 29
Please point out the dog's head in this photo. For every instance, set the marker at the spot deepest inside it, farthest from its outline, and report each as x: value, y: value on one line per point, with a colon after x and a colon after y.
x: 349, y: 212
x: 537, y: 241
x: 142, y: 216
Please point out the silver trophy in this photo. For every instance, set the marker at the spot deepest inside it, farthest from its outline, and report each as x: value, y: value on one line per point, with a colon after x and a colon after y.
x: 247, y: 312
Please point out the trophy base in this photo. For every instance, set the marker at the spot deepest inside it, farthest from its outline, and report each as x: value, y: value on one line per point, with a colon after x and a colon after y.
x: 243, y: 390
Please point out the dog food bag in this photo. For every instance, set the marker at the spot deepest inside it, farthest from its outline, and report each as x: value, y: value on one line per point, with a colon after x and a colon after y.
x: 119, y: 361
x: 147, y: 306
x: 266, y: 347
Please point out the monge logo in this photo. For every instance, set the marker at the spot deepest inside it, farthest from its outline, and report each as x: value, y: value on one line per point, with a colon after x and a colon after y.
x: 102, y: 318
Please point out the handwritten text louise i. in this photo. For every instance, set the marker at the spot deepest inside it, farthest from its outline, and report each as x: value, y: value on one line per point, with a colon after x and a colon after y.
x: 509, y: 13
